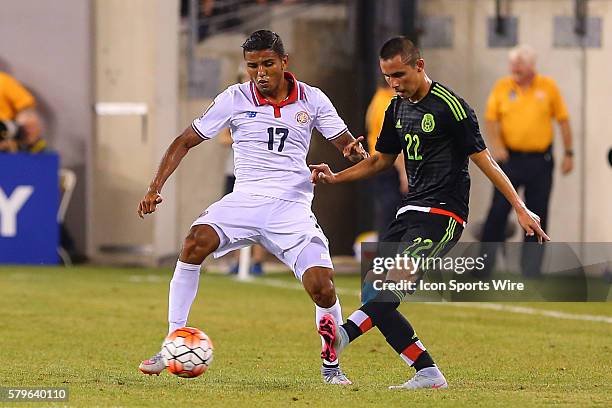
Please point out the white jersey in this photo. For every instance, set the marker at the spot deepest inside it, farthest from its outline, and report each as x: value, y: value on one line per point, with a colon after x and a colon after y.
x: 271, y: 141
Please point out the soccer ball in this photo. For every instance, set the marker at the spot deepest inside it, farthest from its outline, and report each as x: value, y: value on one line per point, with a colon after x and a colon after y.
x: 187, y: 352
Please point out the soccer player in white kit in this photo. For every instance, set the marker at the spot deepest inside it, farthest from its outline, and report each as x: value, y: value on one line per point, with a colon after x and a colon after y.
x: 271, y: 119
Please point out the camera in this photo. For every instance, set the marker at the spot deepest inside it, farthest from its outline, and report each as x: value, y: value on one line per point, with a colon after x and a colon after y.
x: 10, y: 130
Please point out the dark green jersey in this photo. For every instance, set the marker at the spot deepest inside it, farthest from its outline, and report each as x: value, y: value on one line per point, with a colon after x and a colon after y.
x: 436, y: 136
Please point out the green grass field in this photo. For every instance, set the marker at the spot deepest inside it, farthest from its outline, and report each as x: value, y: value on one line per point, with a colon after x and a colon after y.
x: 88, y: 329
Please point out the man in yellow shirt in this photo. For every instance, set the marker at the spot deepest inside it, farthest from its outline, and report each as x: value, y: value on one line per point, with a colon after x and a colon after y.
x: 519, y: 124
x: 388, y: 186
x: 17, y: 108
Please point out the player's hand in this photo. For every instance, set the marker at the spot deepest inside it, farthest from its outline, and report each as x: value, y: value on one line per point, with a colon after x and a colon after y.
x: 149, y: 202
x: 567, y: 165
x: 531, y: 224
x: 321, y: 174
x: 354, y: 151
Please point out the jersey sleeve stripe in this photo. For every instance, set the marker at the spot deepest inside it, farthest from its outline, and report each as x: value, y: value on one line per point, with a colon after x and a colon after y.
x: 454, y: 99
x: 448, y: 102
x: 337, y: 135
x: 198, y: 132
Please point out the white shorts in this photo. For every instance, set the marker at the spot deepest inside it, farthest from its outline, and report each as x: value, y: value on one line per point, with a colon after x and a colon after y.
x: 287, y: 229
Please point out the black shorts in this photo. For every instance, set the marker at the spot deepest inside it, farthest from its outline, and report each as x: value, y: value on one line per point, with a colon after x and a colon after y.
x: 414, y: 234
x: 421, y: 234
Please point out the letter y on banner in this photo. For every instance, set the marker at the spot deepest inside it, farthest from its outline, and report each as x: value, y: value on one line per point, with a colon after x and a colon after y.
x: 9, y: 208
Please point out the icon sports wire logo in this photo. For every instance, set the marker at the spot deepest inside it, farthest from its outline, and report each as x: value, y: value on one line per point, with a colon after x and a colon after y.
x: 473, y: 272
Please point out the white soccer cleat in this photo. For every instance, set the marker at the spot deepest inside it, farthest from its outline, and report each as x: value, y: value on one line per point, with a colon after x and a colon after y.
x: 334, y: 376
x: 154, y: 365
x: 430, y: 377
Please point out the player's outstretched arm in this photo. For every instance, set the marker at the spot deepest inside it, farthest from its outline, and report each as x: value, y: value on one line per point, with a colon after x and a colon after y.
x: 351, y: 148
x: 528, y: 220
x: 322, y: 174
x: 173, y: 156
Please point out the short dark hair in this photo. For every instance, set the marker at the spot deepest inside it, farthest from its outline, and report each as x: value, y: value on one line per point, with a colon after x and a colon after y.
x: 264, y: 40
x: 400, y: 46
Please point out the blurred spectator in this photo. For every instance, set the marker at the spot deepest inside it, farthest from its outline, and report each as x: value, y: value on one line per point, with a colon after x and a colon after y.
x: 32, y: 140
x: 21, y: 127
x: 388, y: 186
x: 21, y: 131
x: 519, y: 116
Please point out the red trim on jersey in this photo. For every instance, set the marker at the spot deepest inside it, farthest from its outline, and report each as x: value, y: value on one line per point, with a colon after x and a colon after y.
x: 277, y: 112
x: 365, y: 325
x: 413, y: 352
x: 252, y: 87
x: 432, y: 210
x: 457, y: 218
x: 293, y: 96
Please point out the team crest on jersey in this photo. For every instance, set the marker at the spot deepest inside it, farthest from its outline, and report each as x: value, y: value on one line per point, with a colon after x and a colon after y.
x: 302, y: 117
x: 251, y: 114
x: 428, y: 123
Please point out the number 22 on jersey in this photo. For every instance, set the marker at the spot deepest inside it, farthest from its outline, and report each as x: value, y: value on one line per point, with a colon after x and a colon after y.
x: 412, y: 147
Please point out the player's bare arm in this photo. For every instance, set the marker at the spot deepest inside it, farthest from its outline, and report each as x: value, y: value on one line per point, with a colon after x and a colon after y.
x: 400, y: 166
x: 322, y: 174
x: 528, y: 220
x: 351, y: 148
x: 173, y: 156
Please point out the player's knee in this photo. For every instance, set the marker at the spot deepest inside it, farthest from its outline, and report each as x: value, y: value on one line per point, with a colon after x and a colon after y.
x: 323, y: 293
x: 190, y: 245
x: 199, y: 243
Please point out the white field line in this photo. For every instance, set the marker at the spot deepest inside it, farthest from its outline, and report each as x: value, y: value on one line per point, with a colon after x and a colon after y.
x: 147, y: 279
x: 469, y: 305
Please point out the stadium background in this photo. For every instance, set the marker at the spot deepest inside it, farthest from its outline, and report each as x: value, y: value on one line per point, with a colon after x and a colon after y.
x: 88, y: 327
x: 75, y: 54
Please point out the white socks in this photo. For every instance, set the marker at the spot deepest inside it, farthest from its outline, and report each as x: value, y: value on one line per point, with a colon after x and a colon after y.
x: 336, y: 312
x: 183, y: 289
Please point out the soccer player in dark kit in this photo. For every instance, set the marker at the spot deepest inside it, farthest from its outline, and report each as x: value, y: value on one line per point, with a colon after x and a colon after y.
x: 437, y: 132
